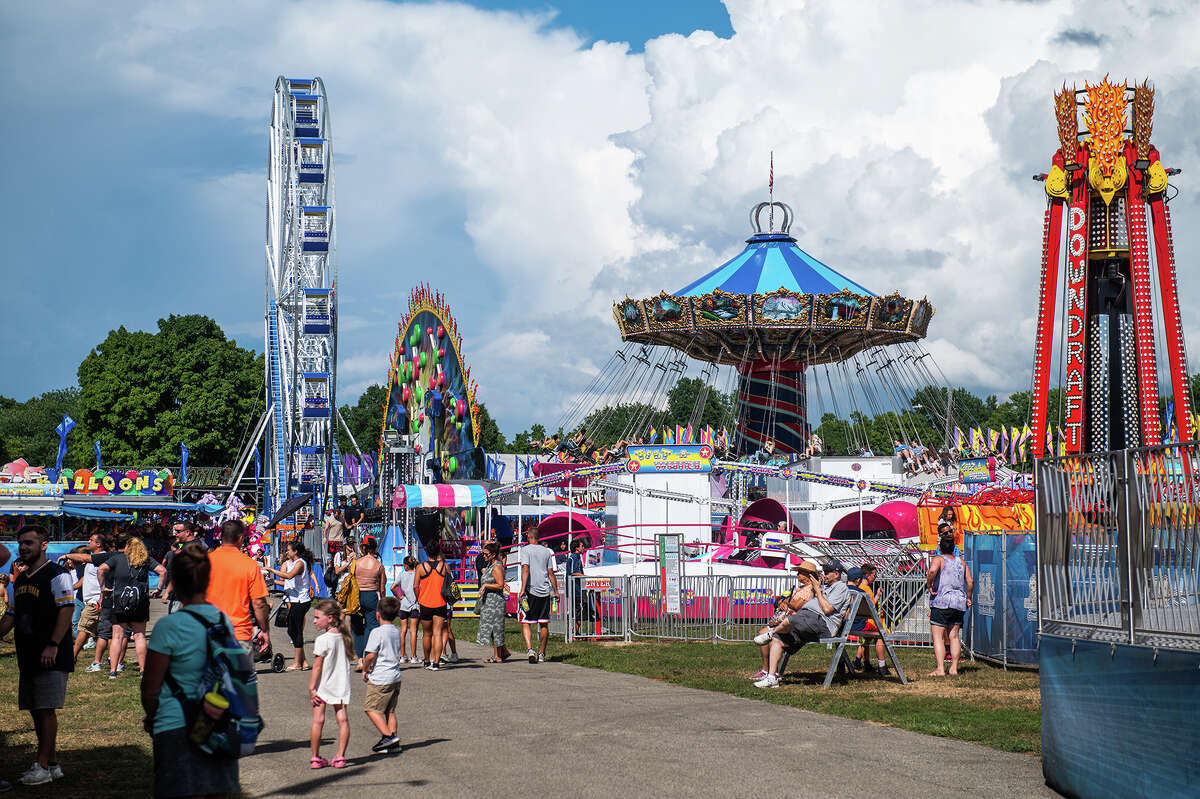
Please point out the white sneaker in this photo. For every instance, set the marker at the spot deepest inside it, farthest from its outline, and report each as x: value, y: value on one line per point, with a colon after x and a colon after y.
x: 37, y: 776
x: 56, y: 771
x: 120, y: 668
x: 770, y: 681
x: 90, y: 644
x: 763, y: 638
x: 541, y: 657
x: 92, y: 669
x: 758, y: 675
x: 416, y: 661
x: 532, y: 656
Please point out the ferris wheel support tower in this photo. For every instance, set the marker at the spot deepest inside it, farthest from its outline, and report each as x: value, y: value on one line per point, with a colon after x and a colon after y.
x: 301, y: 298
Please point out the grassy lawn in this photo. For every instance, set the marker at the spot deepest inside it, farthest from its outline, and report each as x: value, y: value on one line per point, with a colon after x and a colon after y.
x: 983, y: 704
x: 101, y: 745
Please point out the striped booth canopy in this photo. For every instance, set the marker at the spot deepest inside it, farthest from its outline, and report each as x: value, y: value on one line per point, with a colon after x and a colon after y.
x: 439, y: 495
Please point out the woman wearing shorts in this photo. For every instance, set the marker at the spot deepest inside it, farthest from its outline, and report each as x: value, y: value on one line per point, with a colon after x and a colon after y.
x: 950, y: 587
x: 410, y: 611
x: 130, y: 569
x: 431, y: 575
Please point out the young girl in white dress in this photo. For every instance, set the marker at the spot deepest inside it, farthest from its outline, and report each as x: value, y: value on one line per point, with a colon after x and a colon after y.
x: 333, y: 652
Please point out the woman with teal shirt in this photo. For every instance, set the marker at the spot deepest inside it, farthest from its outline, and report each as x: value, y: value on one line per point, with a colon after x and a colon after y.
x: 179, y: 648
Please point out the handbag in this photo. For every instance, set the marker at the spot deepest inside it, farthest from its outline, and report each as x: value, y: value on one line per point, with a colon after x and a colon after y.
x: 347, y: 595
x: 281, y: 614
x: 331, y: 578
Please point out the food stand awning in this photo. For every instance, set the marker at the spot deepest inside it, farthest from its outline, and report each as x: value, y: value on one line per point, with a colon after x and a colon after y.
x: 147, y: 504
x: 439, y: 495
x: 95, y: 513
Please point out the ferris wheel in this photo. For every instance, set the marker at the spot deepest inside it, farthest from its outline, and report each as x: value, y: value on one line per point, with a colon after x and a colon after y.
x: 301, y: 309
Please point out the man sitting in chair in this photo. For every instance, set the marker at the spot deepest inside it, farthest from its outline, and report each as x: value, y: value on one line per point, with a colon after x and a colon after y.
x: 819, y: 618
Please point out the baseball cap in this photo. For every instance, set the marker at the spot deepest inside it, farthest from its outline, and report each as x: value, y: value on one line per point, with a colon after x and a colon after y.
x: 854, y: 573
x: 832, y: 565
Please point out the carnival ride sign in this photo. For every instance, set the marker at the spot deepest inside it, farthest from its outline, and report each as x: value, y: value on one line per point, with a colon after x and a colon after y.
x: 991, y: 519
x: 1076, y: 319
x: 30, y: 490
x: 976, y: 470
x: 670, y: 458
x: 670, y: 565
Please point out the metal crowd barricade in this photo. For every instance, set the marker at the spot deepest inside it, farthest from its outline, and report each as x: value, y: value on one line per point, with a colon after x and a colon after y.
x: 594, y: 608
x: 744, y: 604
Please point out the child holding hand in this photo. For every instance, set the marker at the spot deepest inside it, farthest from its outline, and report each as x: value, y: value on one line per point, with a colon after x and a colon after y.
x: 330, y: 681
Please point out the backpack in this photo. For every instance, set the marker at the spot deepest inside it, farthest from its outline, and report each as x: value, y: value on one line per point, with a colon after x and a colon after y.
x: 230, y: 673
x: 450, y: 590
x: 126, y: 602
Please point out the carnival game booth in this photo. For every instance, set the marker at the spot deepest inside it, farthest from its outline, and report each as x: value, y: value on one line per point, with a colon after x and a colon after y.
x: 446, y: 512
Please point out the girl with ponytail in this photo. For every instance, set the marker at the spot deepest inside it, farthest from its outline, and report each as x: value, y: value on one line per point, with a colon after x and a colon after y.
x: 330, y: 682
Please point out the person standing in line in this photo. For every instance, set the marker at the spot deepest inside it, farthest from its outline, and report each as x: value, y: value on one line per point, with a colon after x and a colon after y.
x: 40, y: 613
x: 538, y: 585
x: 431, y: 576
x: 178, y: 659
x: 368, y: 572
x: 334, y: 531
x: 89, y: 619
x: 950, y: 587
x: 236, y: 586
x: 104, y: 622
x: 185, y: 533
x: 410, y: 612
x: 330, y: 682
x: 491, y: 611
x: 130, y: 567
x: 381, y: 672
x: 298, y: 591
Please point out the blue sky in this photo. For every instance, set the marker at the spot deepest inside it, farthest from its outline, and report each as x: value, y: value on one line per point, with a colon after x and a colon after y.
x: 535, y: 169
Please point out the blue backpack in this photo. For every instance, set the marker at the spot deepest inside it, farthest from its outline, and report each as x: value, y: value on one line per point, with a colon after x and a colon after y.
x: 230, y: 673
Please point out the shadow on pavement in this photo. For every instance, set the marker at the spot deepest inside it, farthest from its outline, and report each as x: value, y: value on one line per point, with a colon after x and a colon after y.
x: 329, y: 776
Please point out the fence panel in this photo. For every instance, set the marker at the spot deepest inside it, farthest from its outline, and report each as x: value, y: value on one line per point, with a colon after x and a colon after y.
x: 595, y: 608
x: 742, y: 605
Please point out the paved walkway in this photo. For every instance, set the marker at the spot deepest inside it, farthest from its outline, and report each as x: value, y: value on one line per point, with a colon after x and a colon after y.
x: 517, y: 729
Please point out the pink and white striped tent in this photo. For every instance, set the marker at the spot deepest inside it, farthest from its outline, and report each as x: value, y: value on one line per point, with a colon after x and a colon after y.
x: 439, y: 495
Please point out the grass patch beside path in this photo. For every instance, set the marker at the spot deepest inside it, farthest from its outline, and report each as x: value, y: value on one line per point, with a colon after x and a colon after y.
x: 983, y: 704
x: 102, y: 747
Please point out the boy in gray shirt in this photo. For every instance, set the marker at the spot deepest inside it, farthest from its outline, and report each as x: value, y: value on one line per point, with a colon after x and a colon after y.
x: 538, y: 586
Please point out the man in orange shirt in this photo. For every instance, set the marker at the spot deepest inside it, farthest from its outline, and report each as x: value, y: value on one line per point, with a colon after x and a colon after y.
x: 237, y: 587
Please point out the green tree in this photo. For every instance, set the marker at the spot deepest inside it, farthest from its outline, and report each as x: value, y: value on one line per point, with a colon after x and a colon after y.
x: 490, y: 437
x: 27, y: 428
x: 684, y: 397
x: 365, y: 420
x: 606, y: 425
x: 142, y: 394
x: 522, y: 442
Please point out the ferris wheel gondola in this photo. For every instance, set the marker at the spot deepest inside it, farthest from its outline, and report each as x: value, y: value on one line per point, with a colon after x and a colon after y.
x: 301, y: 297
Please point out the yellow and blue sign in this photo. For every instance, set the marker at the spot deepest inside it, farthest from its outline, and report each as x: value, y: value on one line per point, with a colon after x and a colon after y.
x: 976, y: 470
x: 650, y: 459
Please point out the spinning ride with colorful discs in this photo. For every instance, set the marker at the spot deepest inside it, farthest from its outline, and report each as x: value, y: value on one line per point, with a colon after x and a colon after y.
x: 430, y: 394
x: 773, y: 312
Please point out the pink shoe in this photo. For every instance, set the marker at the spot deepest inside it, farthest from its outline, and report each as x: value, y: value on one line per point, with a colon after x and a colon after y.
x: 318, y: 762
x: 758, y: 675
x: 338, y: 762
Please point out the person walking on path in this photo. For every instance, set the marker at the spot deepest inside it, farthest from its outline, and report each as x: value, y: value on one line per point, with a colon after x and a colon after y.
x: 491, y: 605
x: 538, y: 585
x: 330, y: 682
x: 334, y: 531
x: 298, y: 592
x: 368, y: 573
x: 950, y: 587
x: 236, y: 586
x: 185, y: 533
x: 89, y: 619
x: 381, y: 672
x: 410, y: 611
x: 130, y: 567
x: 178, y: 660
x: 43, y: 600
x: 431, y: 576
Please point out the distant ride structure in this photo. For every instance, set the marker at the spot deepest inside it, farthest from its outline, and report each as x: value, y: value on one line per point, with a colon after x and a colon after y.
x: 772, y: 312
x: 1107, y: 190
x: 300, y: 297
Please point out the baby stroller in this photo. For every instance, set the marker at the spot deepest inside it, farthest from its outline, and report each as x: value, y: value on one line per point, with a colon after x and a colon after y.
x: 266, y: 654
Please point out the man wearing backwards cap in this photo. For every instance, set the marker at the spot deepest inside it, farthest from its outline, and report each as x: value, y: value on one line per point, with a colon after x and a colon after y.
x: 819, y: 618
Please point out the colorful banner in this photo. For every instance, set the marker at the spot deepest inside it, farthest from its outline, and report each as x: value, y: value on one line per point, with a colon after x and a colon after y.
x: 1076, y: 317
x: 976, y: 470
x: 993, y: 519
x: 677, y: 458
x: 30, y: 490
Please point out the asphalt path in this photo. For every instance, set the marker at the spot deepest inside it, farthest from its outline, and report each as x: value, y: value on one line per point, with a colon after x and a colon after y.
x: 521, y: 729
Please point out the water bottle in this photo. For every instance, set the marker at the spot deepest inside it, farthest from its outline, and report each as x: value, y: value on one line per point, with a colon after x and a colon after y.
x: 212, y: 709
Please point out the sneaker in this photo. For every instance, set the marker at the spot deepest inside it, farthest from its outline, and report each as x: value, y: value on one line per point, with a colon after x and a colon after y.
x: 763, y: 638
x: 90, y: 644
x: 385, y: 742
x: 541, y: 657
x: 453, y: 658
x: 444, y: 659
x: 858, y: 664
x: 433, y: 667
x: 532, y: 656
x: 882, y: 668
x: 416, y: 661
x: 758, y: 675
x: 120, y: 667
x: 112, y: 675
x: 37, y: 776
x: 770, y: 681
x: 56, y: 771
x: 92, y: 669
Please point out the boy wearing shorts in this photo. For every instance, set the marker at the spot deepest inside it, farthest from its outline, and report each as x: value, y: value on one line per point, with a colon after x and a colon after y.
x: 381, y: 672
